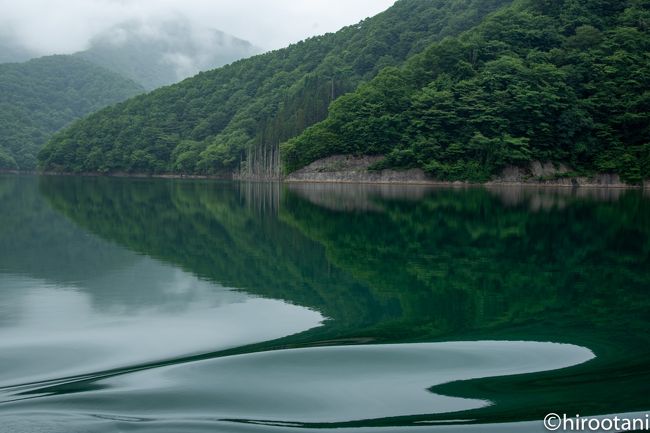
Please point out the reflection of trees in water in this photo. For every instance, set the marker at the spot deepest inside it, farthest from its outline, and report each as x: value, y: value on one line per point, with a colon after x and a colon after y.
x: 499, y: 265
x: 261, y: 197
x: 546, y: 265
x: 424, y: 262
x: 218, y: 232
x: 38, y: 242
x: 428, y: 264
x: 547, y: 198
x: 346, y: 197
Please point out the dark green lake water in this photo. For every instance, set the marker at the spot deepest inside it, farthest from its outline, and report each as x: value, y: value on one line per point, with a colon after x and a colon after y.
x: 182, y: 306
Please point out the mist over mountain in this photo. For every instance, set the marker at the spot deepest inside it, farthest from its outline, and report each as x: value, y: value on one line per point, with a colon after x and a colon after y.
x: 44, y: 94
x: 12, y: 51
x: 153, y: 52
x: 158, y: 53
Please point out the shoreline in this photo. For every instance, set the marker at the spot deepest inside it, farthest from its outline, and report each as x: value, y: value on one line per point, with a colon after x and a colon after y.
x: 561, y: 183
x: 118, y: 175
x: 358, y: 169
x: 459, y: 184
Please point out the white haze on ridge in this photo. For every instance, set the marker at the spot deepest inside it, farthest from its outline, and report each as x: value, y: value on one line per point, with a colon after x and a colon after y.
x: 67, y: 26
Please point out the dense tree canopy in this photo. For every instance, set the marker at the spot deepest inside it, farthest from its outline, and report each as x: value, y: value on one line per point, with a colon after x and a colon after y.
x: 563, y: 81
x: 41, y: 96
x: 459, y: 88
x: 237, y: 115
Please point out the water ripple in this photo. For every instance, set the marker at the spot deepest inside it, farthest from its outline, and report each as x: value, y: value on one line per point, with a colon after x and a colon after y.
x: 315, y: 387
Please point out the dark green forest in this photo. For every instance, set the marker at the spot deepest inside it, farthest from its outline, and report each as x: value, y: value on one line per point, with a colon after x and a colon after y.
x: 41, y: 96
x: 563, y: 81
x: 235, y: 117
x: 459, y: 88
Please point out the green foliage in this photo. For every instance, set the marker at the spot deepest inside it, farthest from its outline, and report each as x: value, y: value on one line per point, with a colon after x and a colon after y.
x: 246, y: 109
x: 43, y: 95
x: 562, y: 81
x: 7, y: 162
x: 223, y: 152
x: 185, y: 156
x: 459, y: 88
x: 585, y: 37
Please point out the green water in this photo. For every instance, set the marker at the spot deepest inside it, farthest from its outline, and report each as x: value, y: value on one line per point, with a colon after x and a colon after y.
x: 182, y: 306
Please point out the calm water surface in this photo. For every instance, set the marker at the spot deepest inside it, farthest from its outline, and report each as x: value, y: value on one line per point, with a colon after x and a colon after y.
x: 182, y: 306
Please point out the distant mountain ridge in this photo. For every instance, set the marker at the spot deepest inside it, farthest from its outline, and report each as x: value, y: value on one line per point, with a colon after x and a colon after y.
x: 162, y: 53
x: 43, y: 95
x: 152, y: 53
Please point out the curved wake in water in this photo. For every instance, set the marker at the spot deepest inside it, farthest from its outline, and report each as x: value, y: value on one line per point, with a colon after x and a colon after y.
x: 334, y: 386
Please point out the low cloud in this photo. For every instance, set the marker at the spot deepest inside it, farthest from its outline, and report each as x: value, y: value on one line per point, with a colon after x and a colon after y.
x: 66, y: 26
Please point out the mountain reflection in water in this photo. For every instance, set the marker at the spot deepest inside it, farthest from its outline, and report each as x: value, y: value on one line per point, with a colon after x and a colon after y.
x: 168, y: 305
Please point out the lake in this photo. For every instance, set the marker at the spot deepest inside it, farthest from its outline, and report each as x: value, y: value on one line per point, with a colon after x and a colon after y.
x: 158, y: 305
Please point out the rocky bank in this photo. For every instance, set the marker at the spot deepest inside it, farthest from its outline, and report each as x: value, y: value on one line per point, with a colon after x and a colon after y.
x: 354, y: 169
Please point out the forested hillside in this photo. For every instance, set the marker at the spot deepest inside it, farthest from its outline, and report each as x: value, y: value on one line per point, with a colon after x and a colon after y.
x: 234, y: 118
x: 43, y: 95
x: 158, y: 54
x: 562, y: 81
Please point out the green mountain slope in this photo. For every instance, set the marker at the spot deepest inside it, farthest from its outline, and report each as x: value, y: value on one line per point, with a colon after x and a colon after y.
x: 43, y: 95
x: 236, y: 117
x: 562, y: 81
x: 164, y: 53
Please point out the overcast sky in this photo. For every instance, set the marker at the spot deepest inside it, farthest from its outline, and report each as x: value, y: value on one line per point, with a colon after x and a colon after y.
x: 65, y: 26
